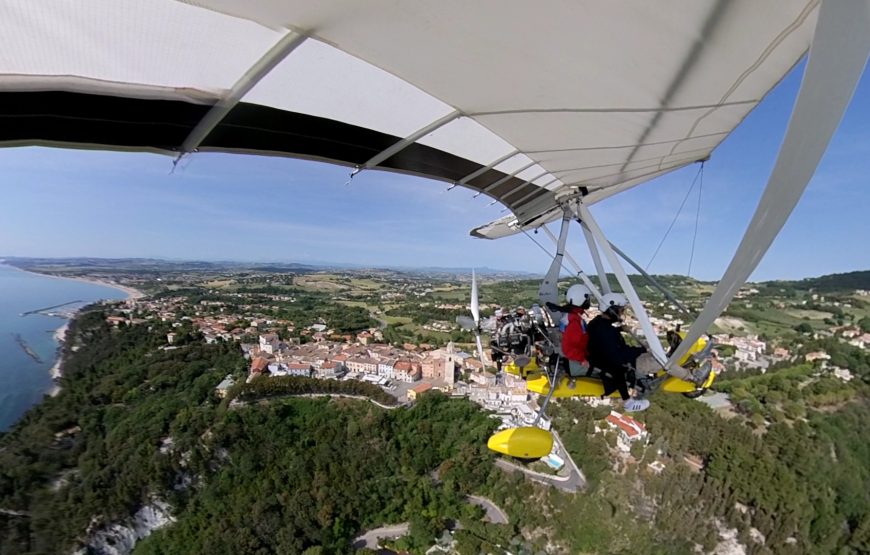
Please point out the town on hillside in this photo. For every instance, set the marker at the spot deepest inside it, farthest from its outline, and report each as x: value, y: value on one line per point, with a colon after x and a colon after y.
x: 398, y: 331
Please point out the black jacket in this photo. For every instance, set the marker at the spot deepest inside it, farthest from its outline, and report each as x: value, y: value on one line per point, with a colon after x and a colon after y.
x: 607, y: 349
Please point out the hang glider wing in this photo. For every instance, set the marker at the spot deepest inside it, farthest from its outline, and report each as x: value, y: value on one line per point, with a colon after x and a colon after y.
x: 513, y: 99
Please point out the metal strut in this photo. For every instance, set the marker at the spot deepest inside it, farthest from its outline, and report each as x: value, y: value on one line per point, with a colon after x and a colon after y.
x: 580, y: 273
x: 553, y: 383
x: 597, y: 236
x: 549, y: 289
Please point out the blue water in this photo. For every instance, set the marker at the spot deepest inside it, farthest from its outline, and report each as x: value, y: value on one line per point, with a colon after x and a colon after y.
x: 23, y: 381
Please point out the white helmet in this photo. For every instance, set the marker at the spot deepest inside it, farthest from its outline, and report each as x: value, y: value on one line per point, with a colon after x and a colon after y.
x: 578, y: 294
x: 612, y: 300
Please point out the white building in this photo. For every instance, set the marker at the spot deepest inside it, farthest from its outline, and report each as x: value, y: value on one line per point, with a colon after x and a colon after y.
x: 223, y: 387
x: 362, y: 364
x: 405, y: 371
x: 300, y: 369
x: 269, y: 343
x: 385, y: 368
x: 630, y: 430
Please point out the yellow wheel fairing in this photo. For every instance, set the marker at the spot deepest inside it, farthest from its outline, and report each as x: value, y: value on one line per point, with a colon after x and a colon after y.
x: 522, y: 443
x: 699, y: 346
x: 710, y: 379
x: 676, y: 385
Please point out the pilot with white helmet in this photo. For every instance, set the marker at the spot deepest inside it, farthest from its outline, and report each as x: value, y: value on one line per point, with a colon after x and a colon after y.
x: 609, y: 352
x: 574, y: 336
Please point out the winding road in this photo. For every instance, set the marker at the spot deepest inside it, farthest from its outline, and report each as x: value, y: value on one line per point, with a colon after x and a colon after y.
x: 569, y: 479
x: 372, y: 538
x: 235, y: 403
x: 494, y: 513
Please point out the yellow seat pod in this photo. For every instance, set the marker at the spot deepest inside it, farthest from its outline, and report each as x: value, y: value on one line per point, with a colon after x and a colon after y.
x: 583, y: 387
x: 523, y: 371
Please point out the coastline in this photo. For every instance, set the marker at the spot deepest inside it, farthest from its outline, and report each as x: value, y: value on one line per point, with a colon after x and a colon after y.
x: 56, y: 371
x: 131, y: 292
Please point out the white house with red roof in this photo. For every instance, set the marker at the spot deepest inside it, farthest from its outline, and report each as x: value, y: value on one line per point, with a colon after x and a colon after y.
x: 301, y: 369
x: 630, y: 430
x: 406, y: 371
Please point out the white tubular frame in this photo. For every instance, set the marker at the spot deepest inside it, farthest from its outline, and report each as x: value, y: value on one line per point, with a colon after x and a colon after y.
x: 399, y: 146
x: 580, y: 273
x: 591, y: 227
x: 549, y: 289
x: 280, y: 50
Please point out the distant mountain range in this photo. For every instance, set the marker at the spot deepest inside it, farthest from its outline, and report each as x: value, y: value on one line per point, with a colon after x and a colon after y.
x: 826, y: 283
x: 138, y: 265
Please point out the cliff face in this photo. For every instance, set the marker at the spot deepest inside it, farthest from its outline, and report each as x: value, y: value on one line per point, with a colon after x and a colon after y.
x: 120, y: 538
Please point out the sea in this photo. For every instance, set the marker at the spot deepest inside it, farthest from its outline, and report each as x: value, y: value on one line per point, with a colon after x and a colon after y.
x: 23, y: 380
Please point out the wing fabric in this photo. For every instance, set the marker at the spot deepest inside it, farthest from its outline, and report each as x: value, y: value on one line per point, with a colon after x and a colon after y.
x: 515, y: 100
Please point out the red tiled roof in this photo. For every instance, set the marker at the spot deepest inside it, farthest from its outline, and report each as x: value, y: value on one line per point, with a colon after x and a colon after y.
x: 422, y: 388
x: 259, y: 364
x: 626, y: 423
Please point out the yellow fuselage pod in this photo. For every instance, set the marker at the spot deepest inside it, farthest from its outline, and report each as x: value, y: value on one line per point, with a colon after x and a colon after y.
x: 583, y: 387
x: 524, y: 371
x: 594, y: 387
x: 522, y: 443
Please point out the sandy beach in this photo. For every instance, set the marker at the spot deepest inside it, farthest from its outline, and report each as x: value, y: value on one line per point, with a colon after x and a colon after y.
x: 131, y: 292
x: 57, y: 371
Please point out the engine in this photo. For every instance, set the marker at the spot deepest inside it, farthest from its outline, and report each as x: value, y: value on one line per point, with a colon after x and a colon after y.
x: 518, y: 333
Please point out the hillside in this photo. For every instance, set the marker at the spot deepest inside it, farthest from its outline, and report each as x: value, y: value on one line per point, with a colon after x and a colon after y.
x: 829, y: 283
x: 784, y: 468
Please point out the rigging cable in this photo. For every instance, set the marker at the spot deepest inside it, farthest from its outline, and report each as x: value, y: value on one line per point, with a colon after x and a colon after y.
x: 677, y: 215
x: 543, y: 248
x: 697, y: 217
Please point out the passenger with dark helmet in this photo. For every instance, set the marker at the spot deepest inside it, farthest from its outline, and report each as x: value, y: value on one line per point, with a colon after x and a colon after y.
x: 609, y: 352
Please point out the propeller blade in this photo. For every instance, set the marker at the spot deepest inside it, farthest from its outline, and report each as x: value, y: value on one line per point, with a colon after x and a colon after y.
x: 480, y: 350
x: 465, y: 323
x: 475, y: 303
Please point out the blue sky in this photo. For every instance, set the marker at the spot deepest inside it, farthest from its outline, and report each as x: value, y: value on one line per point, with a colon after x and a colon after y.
x: 232, y: 207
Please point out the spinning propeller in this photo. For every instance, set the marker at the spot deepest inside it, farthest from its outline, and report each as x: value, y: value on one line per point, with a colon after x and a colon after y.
x: 473, y: 324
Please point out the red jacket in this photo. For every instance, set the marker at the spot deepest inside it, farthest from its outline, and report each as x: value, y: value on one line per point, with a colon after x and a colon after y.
x: 575, y: 339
